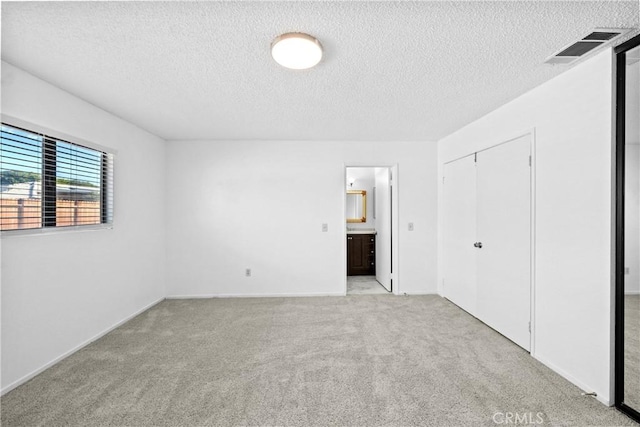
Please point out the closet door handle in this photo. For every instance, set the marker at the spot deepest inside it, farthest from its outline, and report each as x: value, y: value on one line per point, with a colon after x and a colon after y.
x: 477, y: 245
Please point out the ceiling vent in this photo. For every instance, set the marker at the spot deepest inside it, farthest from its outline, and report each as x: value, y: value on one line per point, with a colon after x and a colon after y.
x: 589, y: 43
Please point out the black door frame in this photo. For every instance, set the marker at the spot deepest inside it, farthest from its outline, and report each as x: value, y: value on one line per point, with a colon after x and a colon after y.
x: 619, y: 218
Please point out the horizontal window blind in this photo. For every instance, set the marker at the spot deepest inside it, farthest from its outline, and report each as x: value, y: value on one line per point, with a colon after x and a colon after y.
x: 48, y: 182
x: 20, y: 179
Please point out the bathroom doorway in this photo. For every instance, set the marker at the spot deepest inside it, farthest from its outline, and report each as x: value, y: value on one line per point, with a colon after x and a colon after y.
x: 369, y: 216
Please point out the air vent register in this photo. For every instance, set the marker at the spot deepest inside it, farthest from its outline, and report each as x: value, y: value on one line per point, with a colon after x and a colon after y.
x: 575, y: 51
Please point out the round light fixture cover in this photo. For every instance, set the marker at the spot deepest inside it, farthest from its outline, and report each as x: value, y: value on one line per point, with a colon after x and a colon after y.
x: 298, y: 51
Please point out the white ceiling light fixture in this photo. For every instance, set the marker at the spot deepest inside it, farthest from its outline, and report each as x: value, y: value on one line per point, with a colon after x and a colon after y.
x: 297, y: 51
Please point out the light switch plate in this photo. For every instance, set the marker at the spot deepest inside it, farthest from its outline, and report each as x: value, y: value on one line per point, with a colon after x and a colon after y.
x: 410, y: 226
x: 325, y: 228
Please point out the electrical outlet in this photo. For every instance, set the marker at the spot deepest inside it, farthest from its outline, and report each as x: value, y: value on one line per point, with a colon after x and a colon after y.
x: 626, y: 270
x: 247, y: 272
x: 410, y: 226
x: 325, y: 228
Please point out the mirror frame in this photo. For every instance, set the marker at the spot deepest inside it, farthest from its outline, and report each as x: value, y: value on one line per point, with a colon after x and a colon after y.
x: 363, y: 193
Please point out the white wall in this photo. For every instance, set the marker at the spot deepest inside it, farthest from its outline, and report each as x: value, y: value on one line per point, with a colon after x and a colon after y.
x: 572, y: 117
x: 61, y: 289
x: 261, y: 204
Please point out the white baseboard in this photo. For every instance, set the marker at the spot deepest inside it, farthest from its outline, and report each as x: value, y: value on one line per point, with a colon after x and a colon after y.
x: 287, y: 295
x: 270, y: 295
x: 32, y: 374
x: 632, y: 293
x: 602, y: 399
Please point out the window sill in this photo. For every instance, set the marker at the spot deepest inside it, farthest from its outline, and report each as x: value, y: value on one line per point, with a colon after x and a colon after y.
x: 54, y: 230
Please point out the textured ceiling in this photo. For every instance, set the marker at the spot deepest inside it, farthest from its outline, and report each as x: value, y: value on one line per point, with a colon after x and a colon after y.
x: 391, y: 71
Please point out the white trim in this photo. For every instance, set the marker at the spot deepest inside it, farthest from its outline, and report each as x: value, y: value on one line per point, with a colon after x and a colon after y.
x: 287, y: 294
x: 532, y: 242
x: 344, y: 228
x: 395, y: 228
x: 585, y: 388
x: 632, y: 293
x: 43, y: 231
x: 66, y: 354
x: 439, y: 228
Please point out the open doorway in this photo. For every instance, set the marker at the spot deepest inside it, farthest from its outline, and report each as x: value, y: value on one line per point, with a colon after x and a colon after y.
x: 369, y: 217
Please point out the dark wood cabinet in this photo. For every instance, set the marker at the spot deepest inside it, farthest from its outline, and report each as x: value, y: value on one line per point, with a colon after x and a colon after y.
x: 361, y: 254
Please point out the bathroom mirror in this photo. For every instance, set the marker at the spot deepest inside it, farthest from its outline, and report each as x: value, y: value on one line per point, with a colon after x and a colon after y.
x: 356, y: 206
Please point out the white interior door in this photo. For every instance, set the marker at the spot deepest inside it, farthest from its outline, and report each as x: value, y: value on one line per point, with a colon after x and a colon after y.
x: 459, y: 209
x: 383, y: 227
x: 504, y: 229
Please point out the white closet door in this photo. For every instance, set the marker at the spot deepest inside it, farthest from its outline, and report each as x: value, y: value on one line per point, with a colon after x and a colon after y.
x: 504, y: 229
x: 459, y: 209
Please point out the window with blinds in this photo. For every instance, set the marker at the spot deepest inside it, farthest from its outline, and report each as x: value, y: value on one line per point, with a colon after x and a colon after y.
x: 48, y: 182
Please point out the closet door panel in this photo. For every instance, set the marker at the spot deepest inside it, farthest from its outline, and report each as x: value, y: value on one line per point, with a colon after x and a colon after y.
x: 459, y: 218
x: 504, y: 229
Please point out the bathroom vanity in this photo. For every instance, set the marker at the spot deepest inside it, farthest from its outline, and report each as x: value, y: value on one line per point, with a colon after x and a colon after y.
x: 361, y: 253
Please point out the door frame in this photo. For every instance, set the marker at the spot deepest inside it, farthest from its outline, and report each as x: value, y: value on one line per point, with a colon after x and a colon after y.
x: 620, y: 86
x: 395, y: 224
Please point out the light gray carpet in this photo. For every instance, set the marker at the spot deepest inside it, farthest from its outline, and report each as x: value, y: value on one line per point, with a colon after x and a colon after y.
x: 348, y: 361
x: 364, y: 285
x: 632, y: 350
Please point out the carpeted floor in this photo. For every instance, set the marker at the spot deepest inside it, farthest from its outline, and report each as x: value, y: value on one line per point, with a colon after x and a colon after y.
x: 363, y: 360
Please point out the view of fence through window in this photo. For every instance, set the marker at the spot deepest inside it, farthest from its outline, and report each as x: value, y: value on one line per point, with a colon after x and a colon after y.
x: 78, y: 172
x: 45, y: 182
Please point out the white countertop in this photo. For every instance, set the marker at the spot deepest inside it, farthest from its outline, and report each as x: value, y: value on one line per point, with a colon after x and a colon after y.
x: 362, y: 231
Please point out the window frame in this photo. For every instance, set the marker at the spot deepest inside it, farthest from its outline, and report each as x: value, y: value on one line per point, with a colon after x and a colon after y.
x: 50, y: 136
